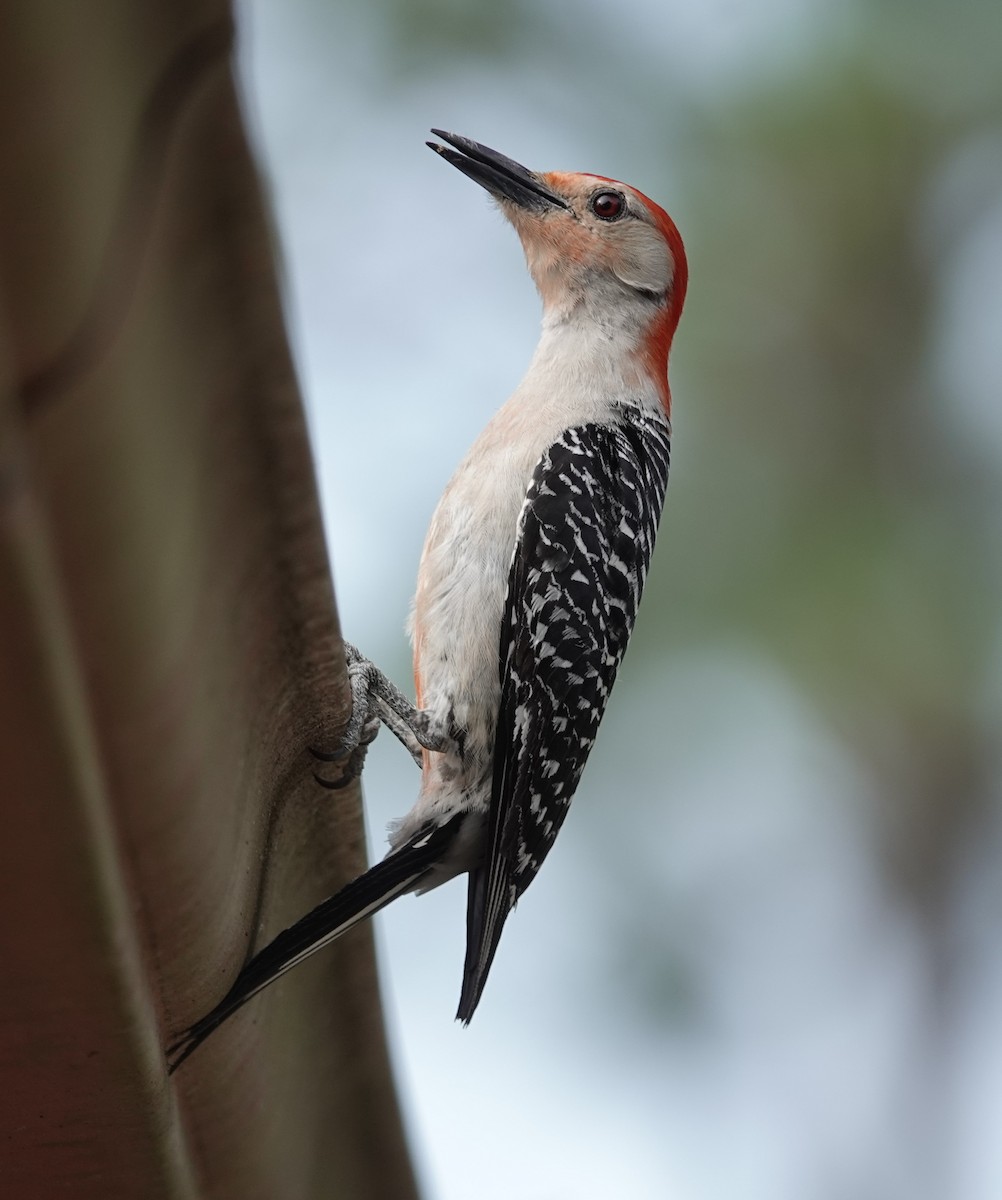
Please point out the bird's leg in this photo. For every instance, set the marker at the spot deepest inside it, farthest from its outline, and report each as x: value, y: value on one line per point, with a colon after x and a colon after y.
x: 374, y: 695
x: 400, y: 729
x: 374, y: 701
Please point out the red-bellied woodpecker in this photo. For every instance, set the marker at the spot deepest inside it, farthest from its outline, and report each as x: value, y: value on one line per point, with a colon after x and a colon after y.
x: 531, y: 574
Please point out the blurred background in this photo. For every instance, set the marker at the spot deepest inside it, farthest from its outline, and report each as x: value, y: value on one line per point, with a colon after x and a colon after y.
x: 763, y: 959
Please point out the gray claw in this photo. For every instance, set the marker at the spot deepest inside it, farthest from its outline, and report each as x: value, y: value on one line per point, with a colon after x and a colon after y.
x: 374, y: 702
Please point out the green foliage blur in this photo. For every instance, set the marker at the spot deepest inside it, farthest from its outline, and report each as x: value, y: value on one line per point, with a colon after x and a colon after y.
x: 845, y: 522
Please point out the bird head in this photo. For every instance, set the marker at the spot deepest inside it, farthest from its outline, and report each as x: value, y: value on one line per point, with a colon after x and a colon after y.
x: 589, y: 241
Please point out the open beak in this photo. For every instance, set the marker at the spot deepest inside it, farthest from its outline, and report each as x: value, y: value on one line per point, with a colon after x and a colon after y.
x: 502, y: 177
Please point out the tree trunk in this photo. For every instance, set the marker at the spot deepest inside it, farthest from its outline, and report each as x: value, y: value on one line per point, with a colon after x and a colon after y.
x: 168, y: 647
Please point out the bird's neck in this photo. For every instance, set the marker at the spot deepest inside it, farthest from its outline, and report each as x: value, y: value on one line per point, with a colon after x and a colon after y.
x: 606, y: 348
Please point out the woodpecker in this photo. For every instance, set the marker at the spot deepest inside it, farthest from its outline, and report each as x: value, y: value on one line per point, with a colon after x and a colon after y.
x: 531, y: 574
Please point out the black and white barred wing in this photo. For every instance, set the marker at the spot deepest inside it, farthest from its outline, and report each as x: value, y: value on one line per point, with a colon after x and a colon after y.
x: 586, y: 534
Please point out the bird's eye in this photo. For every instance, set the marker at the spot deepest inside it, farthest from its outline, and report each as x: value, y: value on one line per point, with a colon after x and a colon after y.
x: 608, y: 205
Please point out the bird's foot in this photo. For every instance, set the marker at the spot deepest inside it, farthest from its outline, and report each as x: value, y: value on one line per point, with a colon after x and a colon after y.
x: 354, y: 757
x: 376, y: 701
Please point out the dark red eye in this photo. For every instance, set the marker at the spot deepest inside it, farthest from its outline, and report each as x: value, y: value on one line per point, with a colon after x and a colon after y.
x: 608, y: 205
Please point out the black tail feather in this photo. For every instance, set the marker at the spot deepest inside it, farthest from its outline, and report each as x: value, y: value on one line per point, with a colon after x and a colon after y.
x: 357, y: 900
x: 483, y: 935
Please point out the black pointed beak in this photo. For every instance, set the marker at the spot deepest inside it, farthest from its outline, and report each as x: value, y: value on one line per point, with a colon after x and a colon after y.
x: 502, y: 177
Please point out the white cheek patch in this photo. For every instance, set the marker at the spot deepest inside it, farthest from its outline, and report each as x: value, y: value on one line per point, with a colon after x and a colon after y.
x: 641, y: 259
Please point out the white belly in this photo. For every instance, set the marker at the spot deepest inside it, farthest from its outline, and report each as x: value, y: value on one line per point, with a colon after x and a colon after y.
x: 462, y: 584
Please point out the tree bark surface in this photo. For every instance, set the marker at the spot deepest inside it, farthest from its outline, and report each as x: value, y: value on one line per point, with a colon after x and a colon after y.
x: 168, y: 647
